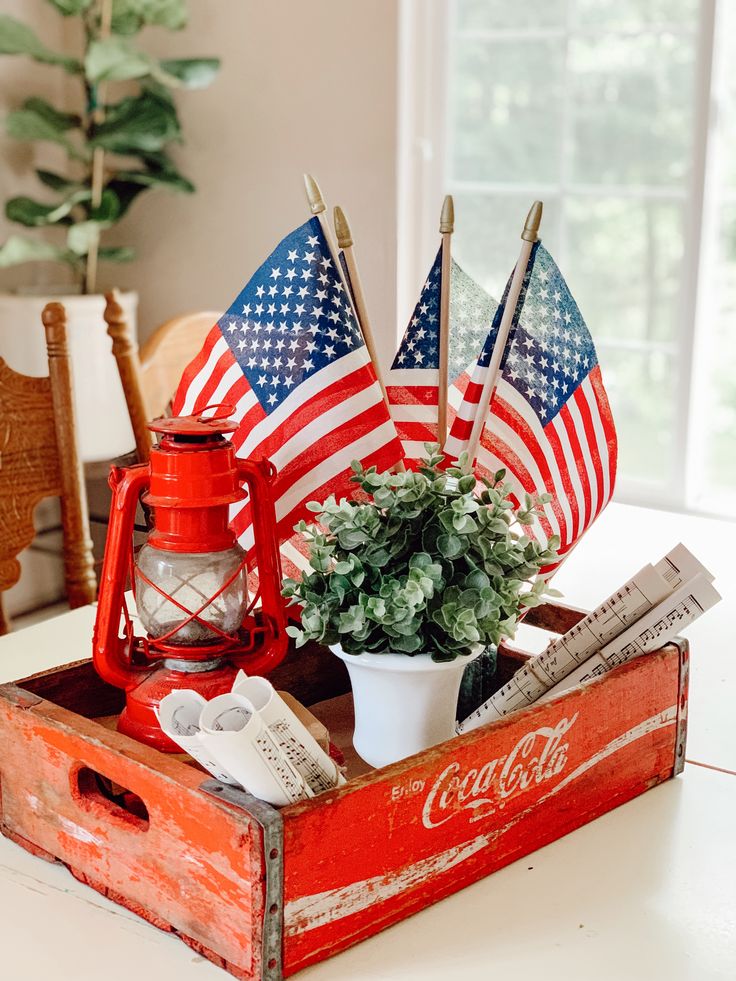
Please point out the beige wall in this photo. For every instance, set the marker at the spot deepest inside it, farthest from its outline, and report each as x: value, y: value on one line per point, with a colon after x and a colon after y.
x: 304, y: 86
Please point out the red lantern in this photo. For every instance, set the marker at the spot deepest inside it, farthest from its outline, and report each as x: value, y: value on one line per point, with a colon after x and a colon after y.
x: 190, y: 577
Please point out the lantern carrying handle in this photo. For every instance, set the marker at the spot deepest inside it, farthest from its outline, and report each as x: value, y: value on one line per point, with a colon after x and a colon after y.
x: 257, y: 475
x: 110, y: 651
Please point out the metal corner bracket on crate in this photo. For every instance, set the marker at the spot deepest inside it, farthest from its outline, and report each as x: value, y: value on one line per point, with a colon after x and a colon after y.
x: 683, y: 647
x: 270, y: 821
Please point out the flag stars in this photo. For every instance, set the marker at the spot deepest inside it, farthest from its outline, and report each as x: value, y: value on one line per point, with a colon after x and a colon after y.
x: 275, y: 274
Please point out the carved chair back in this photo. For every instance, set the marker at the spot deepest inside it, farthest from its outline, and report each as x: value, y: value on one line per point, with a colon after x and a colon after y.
x: 150, y: 379
x: 39, y: 459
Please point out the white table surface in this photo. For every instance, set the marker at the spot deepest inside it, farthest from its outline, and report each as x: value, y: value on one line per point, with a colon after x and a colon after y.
x: 645, y: 892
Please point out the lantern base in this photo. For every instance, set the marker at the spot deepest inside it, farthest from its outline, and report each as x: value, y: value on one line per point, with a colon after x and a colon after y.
x: 139, y: 720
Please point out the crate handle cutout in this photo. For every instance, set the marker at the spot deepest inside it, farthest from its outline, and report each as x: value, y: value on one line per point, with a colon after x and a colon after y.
x: 99, y: 794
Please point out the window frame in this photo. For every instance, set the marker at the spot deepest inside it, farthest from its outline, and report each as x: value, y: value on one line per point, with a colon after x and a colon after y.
x: 423, y: 177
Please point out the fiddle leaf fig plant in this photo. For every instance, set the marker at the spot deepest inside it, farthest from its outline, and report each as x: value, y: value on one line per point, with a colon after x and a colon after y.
x: 116, y: 140
x: 421, y: 563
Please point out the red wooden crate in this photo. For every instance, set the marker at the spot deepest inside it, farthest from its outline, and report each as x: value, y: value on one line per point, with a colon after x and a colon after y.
x: 263, y: 892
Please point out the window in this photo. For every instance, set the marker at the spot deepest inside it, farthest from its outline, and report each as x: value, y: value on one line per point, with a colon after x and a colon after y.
x: 621, y: 116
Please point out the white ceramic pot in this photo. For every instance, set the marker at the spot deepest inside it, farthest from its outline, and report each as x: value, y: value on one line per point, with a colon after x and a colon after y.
x: 103, y: 424
x: 402, y: 704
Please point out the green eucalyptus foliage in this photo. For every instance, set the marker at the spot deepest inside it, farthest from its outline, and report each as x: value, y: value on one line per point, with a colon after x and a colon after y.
x: 419, y: 563
x: 138, y: 125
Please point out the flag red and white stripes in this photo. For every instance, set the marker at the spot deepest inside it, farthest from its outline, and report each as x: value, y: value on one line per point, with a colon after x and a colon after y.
x: 549, y: 424
x: 289, y: 359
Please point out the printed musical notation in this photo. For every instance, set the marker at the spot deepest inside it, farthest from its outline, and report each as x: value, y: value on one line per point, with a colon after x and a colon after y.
x: 574, y: 654
x: 251, y: 738
x: 688, y: 602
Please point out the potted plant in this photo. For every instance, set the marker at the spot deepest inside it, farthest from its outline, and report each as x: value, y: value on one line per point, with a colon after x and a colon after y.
x: 116, y: 140
x: 408, y: 583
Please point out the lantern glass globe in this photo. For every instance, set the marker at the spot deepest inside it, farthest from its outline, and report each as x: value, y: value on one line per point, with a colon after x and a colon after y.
x: 192, y: 579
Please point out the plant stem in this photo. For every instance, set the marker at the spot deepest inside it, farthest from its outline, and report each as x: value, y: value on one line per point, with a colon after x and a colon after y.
x: 97, y: 172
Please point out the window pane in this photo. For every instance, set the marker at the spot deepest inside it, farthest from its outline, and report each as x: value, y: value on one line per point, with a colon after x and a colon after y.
x: 641, y: 389
x: 716, y: 387
x: 630, y: 14
x: 632, y: 108
x: 720, y: 464
x: 494, y: 14
x: 487, y: 234
x: 624, y: 265
x: 501, y: 129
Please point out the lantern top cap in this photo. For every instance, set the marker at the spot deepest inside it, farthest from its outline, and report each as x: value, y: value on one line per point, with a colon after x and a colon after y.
x: 197, y: 425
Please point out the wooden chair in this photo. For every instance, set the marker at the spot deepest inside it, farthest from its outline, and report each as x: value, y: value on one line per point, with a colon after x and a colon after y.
x: 38, y: 459
x: 150, y: 379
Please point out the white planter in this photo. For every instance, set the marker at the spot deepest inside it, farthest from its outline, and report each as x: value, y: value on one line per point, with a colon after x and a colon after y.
x: 402, y: 704
x: 103, y: 424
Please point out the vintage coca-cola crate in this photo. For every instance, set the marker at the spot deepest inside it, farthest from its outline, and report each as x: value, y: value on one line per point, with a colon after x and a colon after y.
x: 264, y: 892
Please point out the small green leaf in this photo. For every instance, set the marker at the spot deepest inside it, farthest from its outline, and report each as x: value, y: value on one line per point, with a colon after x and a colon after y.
x: 16, y: 38
x: 56, y: 182
x: 114, y: 60
x: 61, y: 121
x: 17, y: 250
x: 170, y: 179
x: 32, y: 213
x: 82, y: 236
x: 29, y: 123
x: 142, y: 123
x: 192, y: 73
x: 129, y: 16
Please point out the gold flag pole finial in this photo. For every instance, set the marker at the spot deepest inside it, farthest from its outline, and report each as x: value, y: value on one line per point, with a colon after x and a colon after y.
x: 314, y: 195
x: 342, y: 229
x: 447, y: 217
x: 532, y: 223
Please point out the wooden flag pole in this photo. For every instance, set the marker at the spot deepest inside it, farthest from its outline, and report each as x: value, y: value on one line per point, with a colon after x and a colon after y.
x: 447, y: 226
x: 529, y: 237
x: 319, y: 209
x: 345, y: 242
x: 355, y: 295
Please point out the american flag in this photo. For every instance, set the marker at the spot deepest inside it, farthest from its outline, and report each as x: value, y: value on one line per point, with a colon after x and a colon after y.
x: 289, y: 356
x: 413, y: 382
x: 549, y: 424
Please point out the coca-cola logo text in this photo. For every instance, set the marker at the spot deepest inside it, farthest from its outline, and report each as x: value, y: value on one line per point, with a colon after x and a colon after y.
x: 537, y: 757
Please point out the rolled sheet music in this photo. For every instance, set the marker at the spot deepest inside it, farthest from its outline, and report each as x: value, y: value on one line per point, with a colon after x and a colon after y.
x: 234, y: 733
x: 656, y: 628
x: 179, y: 716
x: 298, y: 745
x: 565, y: 654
